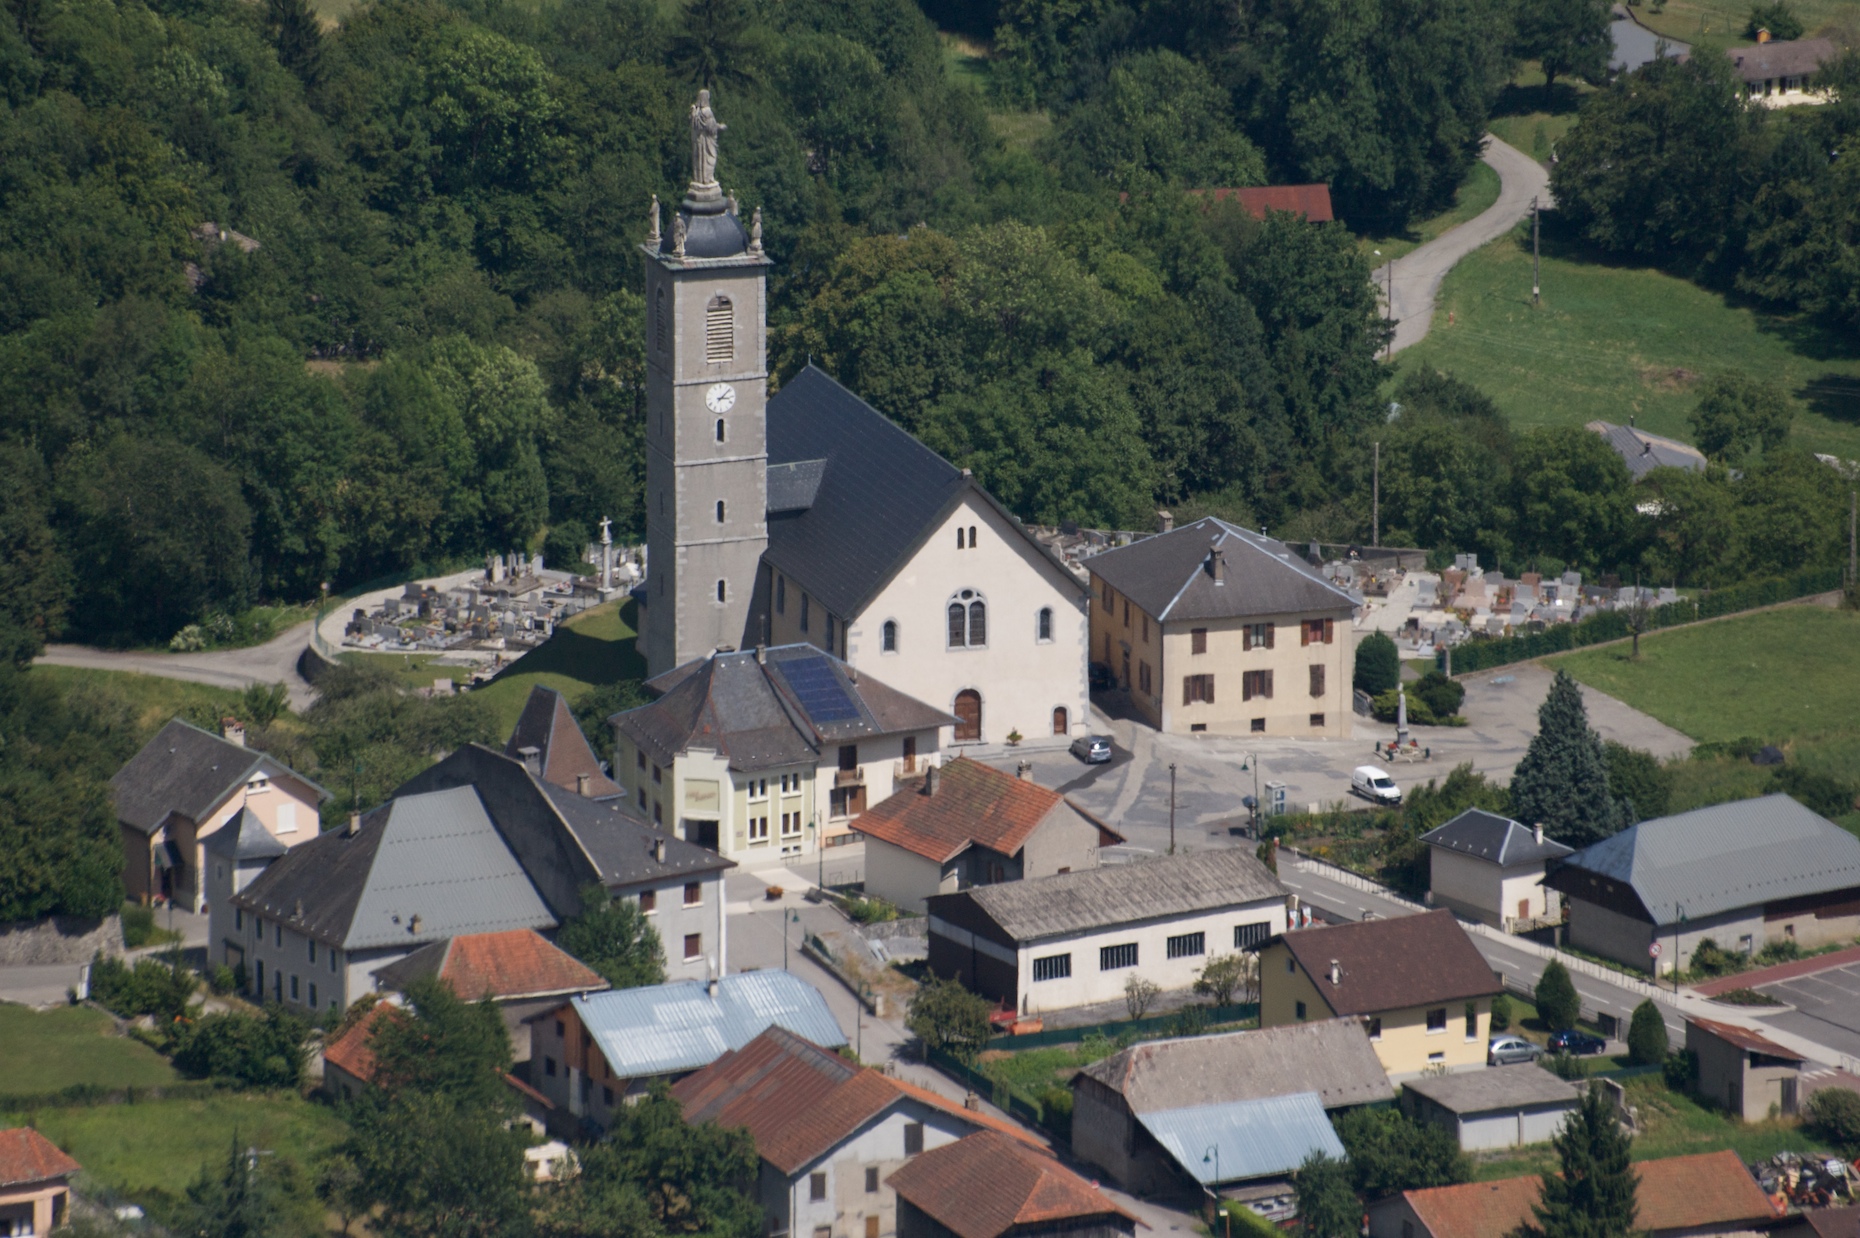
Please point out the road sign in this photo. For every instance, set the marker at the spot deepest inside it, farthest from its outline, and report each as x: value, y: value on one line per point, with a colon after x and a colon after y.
x: 1653, y: 948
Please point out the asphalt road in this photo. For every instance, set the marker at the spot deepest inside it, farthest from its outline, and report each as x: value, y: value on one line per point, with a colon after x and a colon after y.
x: 1419, y: 272
x: 275, y: 661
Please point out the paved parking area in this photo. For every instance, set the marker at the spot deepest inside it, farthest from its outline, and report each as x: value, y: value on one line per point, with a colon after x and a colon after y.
x: 1827, y: 1006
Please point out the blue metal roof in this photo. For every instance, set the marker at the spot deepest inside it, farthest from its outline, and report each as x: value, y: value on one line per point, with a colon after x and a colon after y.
x: 1245, y: 1138
x: 666, y: 1028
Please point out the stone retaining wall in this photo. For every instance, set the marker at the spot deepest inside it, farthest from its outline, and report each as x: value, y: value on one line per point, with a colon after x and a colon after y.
x: 59, y: 939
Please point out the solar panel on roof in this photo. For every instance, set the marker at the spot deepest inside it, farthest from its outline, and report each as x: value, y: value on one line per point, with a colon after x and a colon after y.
x: 819, y: 690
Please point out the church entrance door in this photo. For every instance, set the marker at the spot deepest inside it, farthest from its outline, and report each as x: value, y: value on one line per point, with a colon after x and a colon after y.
x: 968, y: 715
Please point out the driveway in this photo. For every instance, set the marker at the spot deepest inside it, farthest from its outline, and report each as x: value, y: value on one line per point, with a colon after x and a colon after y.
x: 1419, y: 272
x: 275, y: 661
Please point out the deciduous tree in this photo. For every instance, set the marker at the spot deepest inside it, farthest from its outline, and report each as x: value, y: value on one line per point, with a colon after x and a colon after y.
x: 613, y: 936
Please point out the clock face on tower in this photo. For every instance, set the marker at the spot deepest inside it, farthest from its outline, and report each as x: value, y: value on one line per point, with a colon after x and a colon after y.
x: 720, y: 398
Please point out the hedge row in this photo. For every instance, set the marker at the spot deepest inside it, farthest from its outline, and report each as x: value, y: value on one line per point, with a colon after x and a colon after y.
x: 90, y: 1094
x: 1612, y: 625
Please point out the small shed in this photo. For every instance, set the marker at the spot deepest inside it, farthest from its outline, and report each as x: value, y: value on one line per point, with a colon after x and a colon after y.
x: 1745, y: 1071
x: 1491, y: 869
x: 1500, y: 1107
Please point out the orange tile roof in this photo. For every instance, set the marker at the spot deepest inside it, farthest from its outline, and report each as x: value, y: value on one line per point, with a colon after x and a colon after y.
x: 1677, y: 1192
x: 1744, y: 1038
x: 27, y: 1156
x: 974, y: 805
x: 518, y: 963
x: 351, y: 1051
x: 984, y: 1185
x: 1311, y: 201
x: 799, y: 1101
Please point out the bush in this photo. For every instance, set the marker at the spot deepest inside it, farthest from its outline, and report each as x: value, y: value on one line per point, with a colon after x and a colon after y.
x: 1556, y: 998
x: 1782, y: 950
x: 946, y: 1016
x: 222, y: 979
x: 1682, y: 1068
x: 1563, y: 1064
x: 152, y: 988
x: 1389, y: 1152
x: 1647, y: 1035
x: 1829, y: 797
x: 256, y: 1051
x: 1834, y: 1114
x: 1387, y: 708
x: 1443, y: 695
x: 1639, y: 778
x: 138, y: 925
x: 1378, y: 664
x: 870, y: 910
x: 1501, y: 1012
x: 1711, y: 959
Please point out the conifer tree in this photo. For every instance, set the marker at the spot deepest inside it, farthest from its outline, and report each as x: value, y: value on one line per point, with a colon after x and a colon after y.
x: 1593, y: 1196
x: 1562, y: 782
x: 1557, y: 1002
x: 1647, y: 1035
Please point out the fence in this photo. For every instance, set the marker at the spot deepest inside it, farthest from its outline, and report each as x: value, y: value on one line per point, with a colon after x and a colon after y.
x: 1613, y: 625
x: 998, y: 1092
x: 1165, y: 1024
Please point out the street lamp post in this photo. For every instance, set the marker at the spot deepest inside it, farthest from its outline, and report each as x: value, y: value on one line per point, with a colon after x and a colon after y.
x: 1251, y: 760
x: 1214, y: 1151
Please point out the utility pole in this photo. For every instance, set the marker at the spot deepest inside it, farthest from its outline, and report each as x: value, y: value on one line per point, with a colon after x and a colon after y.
x: 1853, y: 563
x: 1375, y: 499
x: 1388, y: 353
x: 1172, y: 808
x: 1536, y: 283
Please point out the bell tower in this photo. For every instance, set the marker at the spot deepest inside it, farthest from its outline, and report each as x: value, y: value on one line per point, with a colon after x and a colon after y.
x: 706, y: 432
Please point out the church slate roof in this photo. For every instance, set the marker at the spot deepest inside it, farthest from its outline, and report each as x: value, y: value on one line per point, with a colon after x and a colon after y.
x: 780, y: 710
x: 880, y: 495
x: 245, y: 838
x: 1168, y: 575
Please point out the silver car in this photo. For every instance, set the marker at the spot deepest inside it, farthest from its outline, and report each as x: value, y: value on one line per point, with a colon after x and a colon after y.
x: 1092, y: 749
x: 1508, y: 1050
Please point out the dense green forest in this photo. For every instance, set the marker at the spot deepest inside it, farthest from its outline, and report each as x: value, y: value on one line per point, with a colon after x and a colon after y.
x: 285, y: 303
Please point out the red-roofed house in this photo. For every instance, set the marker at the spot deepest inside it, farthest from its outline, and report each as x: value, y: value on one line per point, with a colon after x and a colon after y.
x: 348, y: 1062
x: 1711, y: 1193
x: 518, y: 969
x: 1311, y: 201
x: 990, y: 1186
x: 1743, y: 1070
x: 828, y: 1131
x: 34, y: 1194
x: 970, y: 824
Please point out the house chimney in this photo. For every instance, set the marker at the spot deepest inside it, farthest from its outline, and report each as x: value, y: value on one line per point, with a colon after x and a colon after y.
x: 297, y: 910
x: 1165, y: 521
x: 852, y: 673
x: 711, y: 988
x: 532, y: 758
x: 1217, y: 565
x: 932, y: 776
x: 413, y: 923
x: 1024, y: 771
x: 584, y: 785
x: 972, y: 1103
x: 762, y: 655
x: 355, y: 825
x: 1763, y: 36
x: 1336, y: 973
x: 1539, y: 833
x: 232, y: 731
x: 658, y: 850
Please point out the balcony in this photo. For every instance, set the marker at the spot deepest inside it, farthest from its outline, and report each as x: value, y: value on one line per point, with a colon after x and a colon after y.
x: 854, y: 777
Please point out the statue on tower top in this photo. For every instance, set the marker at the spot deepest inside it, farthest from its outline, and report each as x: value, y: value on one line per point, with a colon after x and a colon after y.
x: 704, y: 130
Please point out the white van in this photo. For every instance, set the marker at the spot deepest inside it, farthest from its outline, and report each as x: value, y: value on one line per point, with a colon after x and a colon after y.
x: 1373, y: 783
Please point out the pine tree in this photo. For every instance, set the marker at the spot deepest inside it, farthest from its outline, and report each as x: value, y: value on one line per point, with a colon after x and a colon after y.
x: 1556, y: 999
x: 1562, y: 782
x: 1647, y: 1035
x: 1593, y: 1196
x: 233, y: 1202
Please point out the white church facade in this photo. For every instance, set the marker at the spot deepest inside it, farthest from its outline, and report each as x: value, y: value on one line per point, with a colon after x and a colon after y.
x: 809, y: 517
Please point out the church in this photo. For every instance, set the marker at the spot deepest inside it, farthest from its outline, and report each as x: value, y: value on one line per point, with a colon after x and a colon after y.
x: 808, y: 517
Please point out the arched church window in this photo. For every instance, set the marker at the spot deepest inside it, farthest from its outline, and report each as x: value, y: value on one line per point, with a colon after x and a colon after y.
x: 719, y: 330
x: 719, y: 429
x: 889, y: 636
x: 719, y: 511
x: 1043, y: 629
x: 968, y: 620
x: 978, y: 622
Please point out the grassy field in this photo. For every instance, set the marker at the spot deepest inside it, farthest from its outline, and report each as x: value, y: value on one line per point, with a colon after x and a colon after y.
x: 1616, y: 341
x: 1527, y: 117
x: 50, y: 1050
x: 1789, y: 675
x: 593, y: 648
x: 1672, y: 1124
x: 1690, y: 20
x: 154, y: 698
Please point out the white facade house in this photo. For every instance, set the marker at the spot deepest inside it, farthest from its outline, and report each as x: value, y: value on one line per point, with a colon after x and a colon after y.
x: 1075, y: 939
x: 1491, y: 869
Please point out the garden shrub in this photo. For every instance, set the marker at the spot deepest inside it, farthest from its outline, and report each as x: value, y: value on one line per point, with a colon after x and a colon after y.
x: 258, y: 1051
x: 138, y: 925
x: 152, y: 988
x: 1501, y: 1012
x: 1834, y: 1114
x: 1647, y: 1035
x: 1682, y: 1068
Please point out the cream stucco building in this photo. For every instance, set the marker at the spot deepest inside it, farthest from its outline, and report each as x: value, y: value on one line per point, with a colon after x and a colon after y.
x: 1491, y: 869
x: 1211, y: 627
x: 808, y: 517
x: 1421, y: 988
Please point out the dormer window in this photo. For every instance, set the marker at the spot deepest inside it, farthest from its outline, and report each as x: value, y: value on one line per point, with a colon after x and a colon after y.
x: 260, y: 784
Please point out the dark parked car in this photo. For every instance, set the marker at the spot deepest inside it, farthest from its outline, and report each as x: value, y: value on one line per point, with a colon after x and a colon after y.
x: 1579, y: 1043
x: 1100, y: 677
x: 1092, y: 749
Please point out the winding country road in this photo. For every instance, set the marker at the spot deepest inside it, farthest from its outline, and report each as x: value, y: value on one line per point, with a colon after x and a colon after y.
x: 1419, y: 272
x: 275, y: 661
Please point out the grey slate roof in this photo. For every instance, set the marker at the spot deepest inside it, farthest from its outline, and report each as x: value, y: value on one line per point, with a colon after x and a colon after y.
x: 1331, y: 1058
x: 436, y: 856
x: 792, y: 487
x: 564, y: 841
x: 664, y: 1029
x: 1244, y: 1139
x: 189, y: 771
x: 1644, y: 452
x: 1170, y: 576
x: 1500, y: 840
x: 1116, y: 894
x: 1791, y: 58
x: 245, y: 838
x: 1496, y: 1087
x: 880, y: 495
x: 548, y: 725
x: 1720, y: 858
x: 766, y: 713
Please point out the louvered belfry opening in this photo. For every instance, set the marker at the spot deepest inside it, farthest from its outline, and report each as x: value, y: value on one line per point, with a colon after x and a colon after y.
x: 719, y: 330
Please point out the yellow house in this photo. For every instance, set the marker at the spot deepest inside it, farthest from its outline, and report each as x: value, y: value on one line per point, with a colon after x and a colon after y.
x: 1211, y: 627
x: 1419, y: 985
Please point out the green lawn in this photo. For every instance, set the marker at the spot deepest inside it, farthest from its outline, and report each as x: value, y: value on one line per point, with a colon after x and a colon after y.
x: 1615, y: 341
x: 1789, y: 675
x: 1672, y: 1124
x: 50, y: 1050
x: 157, y: 1147
x: 593, y: 648
x: 1527, y: 117
x: 1690, y: 20
x: 1478, y: 191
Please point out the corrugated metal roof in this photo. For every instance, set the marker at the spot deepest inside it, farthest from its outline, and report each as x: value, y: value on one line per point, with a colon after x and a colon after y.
x: 666, y: 1028
x: 1723, y: 857
x: 1244, y: 1138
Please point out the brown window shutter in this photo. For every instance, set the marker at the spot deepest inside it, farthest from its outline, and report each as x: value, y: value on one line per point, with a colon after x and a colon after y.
x: 1304, y: 633
x: 1246, y: 637
x: 1269, y: 628
x: 1330, y: 631
x: 1188, y: 689
x: 1267, y: 676
x: 1210, y: 680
